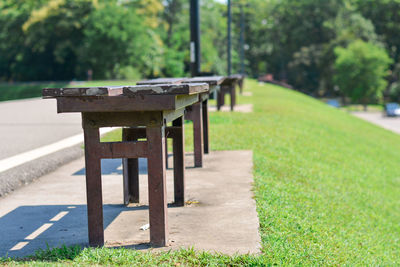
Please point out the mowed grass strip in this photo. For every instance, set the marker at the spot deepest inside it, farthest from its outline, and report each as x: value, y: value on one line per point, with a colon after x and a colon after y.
x: 327, y: 187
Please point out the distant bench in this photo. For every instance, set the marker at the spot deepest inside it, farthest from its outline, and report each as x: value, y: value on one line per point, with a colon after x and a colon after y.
x: 145, y: 107
x: 198, y: 112
x: 228, y: 86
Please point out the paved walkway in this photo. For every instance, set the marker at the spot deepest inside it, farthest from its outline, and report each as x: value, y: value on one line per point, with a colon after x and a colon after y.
x: 389, y: 123
x: 33, y: 123
x: 220, y: 215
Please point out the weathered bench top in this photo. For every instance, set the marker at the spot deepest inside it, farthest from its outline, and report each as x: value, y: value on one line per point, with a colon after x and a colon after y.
x: 126, y: 98
x: 168, y: 89
x: 159, y: 89
x: 161, y: 81
x: 237, y: 76
x: 232, y: 79
x: 210, y: 80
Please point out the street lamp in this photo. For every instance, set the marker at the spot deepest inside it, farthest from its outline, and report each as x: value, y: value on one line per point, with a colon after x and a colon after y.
x: 194, y: 38
x: 241, y: 40
x: 229, y: 38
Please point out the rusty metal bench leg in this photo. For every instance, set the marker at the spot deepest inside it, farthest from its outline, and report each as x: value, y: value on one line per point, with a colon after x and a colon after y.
x: 233, y: 97
x: 93, y: 186
x: 205, y: 126
x: 179, y: 161
x: 157, y: 185
x: 130, y: 171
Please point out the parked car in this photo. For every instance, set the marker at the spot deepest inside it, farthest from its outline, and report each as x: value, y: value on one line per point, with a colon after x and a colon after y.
x: 333, y: 103
x: 392, y: 109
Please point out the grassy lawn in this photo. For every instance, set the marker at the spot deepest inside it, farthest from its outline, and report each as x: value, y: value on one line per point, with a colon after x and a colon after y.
x: 326, y: 185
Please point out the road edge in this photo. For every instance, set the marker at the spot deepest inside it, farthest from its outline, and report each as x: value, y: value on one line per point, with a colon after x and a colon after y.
x: 19, y: 176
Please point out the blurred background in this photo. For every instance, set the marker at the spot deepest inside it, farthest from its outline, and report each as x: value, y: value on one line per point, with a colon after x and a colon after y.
x: 345, y: 49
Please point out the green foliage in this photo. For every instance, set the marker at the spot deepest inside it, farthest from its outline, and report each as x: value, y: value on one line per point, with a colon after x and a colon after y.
x: 360, y: 71
x: 394, y: 91
x: 114, y: 39
x: 63, y: 39
x: 293, y: 40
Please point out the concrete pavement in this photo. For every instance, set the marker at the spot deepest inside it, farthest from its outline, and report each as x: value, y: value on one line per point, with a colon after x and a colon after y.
x: 220, y: 215
x: 389, y: 123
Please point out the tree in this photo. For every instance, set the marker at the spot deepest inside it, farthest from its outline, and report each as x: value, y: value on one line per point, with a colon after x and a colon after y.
x: 361, y: 69
x: 115, y: 38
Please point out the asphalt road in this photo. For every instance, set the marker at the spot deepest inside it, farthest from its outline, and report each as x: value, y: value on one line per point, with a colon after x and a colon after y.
x: 33, y: 123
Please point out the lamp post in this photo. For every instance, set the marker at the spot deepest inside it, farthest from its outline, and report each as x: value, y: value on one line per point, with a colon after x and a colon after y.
x: 194, y: 38
x: 241, y: 40
x: 229, y: 38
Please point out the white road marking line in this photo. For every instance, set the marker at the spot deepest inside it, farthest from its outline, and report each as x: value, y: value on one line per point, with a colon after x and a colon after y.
x: 19, y: 246
x: 59, y: 216
x: 14, y: 161
x: 40, y: 230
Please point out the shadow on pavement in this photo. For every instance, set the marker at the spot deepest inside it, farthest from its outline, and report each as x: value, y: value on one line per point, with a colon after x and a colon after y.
x: 114, y: 167
x: 29, y: 228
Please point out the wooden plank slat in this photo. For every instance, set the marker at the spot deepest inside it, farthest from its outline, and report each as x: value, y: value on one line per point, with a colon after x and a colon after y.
x: 237, y: 76
x: 166, y: 89
x: 161, y: 81
x: 115, y: 104
x: 83, y: 91
x: 184, y: 100
x: 231, y: 80
x: 122, y: 119
x: 210, y: 80
x: 114, y: 150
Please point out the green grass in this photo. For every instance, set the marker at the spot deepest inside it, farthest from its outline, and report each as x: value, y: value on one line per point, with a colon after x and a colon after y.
x: 327, y: 187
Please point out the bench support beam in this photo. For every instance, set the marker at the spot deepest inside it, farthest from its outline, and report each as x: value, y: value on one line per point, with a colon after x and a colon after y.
x: 93, y: 186
x: 195, y: 114
x: 157, y: 185
x: 206, y: 123
x: 130, y: 149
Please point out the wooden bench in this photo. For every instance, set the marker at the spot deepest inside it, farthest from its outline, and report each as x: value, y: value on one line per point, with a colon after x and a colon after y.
x: 228, y: 86
x: 150, y: 107
x: 240, y: 82
x: 197, y: 113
